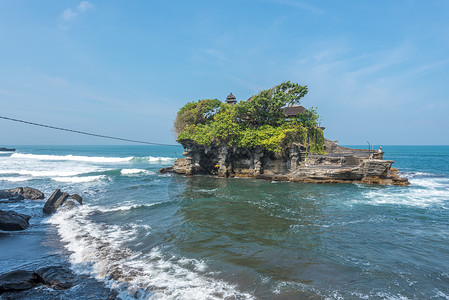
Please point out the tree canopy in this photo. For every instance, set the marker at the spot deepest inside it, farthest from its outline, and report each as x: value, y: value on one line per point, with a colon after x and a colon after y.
x: 260, y: 121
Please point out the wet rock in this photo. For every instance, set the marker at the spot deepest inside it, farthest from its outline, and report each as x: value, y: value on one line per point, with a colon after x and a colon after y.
x: 180, y: 166
x: 12, y: 221
x: 166, y: 170
x: 56, y: 276
x: 293, y: 163
x: 57, y: 199
x: 18, y: 280
x: 77, y: 197
x: 21, y: 193
x: 69, y: 204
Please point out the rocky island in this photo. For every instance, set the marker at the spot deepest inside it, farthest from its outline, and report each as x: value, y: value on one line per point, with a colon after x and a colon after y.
x: 270, y: 136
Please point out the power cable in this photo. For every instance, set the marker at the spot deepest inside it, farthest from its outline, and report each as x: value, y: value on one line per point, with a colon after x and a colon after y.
x: 88, y: 133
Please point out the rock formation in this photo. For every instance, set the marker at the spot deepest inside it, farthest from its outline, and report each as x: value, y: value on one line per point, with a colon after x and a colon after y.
x: 21, y: 193
x: 56, y: 277
x: 12, y: 221
x: 339, y: 165
x: 58, y: 199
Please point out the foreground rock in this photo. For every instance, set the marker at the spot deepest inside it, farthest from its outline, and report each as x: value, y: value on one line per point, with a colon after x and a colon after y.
x: 339, y: 165
x: 166, y: 170
x: 56, y: 277
x: 21, y: 193
x: 58, y: 199
x: 12, y: 221
x: 18, y: 280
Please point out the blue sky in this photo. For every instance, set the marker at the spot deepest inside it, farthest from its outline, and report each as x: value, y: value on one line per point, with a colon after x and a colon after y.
x: 376, y: 70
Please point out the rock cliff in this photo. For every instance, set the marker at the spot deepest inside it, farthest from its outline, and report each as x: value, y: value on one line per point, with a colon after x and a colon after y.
x: 339, y: 165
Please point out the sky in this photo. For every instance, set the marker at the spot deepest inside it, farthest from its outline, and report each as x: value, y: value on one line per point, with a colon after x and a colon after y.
x: 377, y: 71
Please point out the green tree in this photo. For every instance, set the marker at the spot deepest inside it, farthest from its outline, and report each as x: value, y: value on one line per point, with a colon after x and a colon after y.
x: 193, y: 113
x: 309, y: 118
x: 258, y: 122
x: 266, y: 108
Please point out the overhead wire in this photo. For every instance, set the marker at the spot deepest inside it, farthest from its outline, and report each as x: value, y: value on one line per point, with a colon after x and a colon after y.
x: 88, y: 133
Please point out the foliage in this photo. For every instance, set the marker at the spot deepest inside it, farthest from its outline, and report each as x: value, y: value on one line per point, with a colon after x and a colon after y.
x: 266, y: 108
x: 316, y: 141
x: 258, y: 122
x: 308, y: 118
x: 194, y: 113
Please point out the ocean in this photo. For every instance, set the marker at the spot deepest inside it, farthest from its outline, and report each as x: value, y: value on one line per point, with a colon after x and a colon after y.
x: 144, y: 235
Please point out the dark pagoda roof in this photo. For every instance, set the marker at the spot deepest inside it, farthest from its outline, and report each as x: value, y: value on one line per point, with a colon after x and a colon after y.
x: 291, y: 111
x: 231, y: 99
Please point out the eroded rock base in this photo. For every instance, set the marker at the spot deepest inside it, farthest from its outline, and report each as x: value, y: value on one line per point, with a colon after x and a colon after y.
x: 339, y: 165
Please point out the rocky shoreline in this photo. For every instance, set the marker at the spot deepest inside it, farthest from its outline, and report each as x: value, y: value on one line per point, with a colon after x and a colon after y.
x: 13, y: 221
x: 295, y: 164
x: 35, y: 280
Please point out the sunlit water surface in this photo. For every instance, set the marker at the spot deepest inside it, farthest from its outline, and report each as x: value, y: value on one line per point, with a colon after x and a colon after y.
x: 148, y: 235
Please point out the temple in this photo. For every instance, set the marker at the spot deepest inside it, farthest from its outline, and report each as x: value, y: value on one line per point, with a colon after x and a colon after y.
x: 230, y: 99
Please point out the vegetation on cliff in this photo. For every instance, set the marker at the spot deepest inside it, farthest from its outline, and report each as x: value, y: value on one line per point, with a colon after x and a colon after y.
x: 260, y: 121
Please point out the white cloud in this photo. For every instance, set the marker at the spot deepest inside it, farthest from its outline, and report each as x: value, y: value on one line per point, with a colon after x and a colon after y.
x: 69, y: 14
x: 84, y: 5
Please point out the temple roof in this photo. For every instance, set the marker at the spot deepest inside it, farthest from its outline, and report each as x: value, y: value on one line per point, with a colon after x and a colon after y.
x: 291, y: 111
x: 230, y: 99
x: 230, y: 96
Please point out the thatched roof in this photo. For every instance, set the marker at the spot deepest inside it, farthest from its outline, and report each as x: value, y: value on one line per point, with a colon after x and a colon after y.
x: 230, y: 99
x: 291, y: 111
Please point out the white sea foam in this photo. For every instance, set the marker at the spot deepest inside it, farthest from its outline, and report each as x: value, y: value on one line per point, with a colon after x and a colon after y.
x: 79, y: 179
x: 96, y: 159
x: 48, y: 173
x: 153, y: 159
x: 124, y: 207
x: 423, y: 192
x: 135, y: 172
x: 15, y: 179
x: 99, y: 250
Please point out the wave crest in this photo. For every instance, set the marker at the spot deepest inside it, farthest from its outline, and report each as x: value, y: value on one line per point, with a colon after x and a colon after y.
x: 99, y: 249
x: 96, y: 159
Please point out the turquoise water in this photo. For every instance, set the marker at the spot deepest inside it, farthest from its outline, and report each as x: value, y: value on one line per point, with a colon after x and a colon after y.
x: 148, y: 235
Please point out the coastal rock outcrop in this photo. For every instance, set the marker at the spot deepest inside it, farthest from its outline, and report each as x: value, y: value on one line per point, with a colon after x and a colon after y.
x: 21, y: 193
x: 12, y: 221
x: 295, y: 163
x: 58, y: 199
x: 56, y: 277
x: 18, y: 280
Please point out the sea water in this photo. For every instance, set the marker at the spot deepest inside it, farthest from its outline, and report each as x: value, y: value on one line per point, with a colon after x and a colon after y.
x: 147, y: 235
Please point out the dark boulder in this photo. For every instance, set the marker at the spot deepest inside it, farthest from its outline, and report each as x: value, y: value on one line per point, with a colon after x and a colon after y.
x: 18, y: 280
x: 12, y: 221
x: 56, y: 276
x: 32, y: 194
x: 21, y: 193
x: 57, y: 199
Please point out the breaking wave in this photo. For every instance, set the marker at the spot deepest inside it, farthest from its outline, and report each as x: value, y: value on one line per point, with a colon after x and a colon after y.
x: 96, y: 159
x: 424, y: 191
x: 15, y: 179
x: 93, y: 159
x: 79, y: 179
x: 135, y: 172
x: 99, y: 250
x: 46, y: 173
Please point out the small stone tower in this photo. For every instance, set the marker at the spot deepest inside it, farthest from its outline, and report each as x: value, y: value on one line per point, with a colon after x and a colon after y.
x: 230, y: 99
